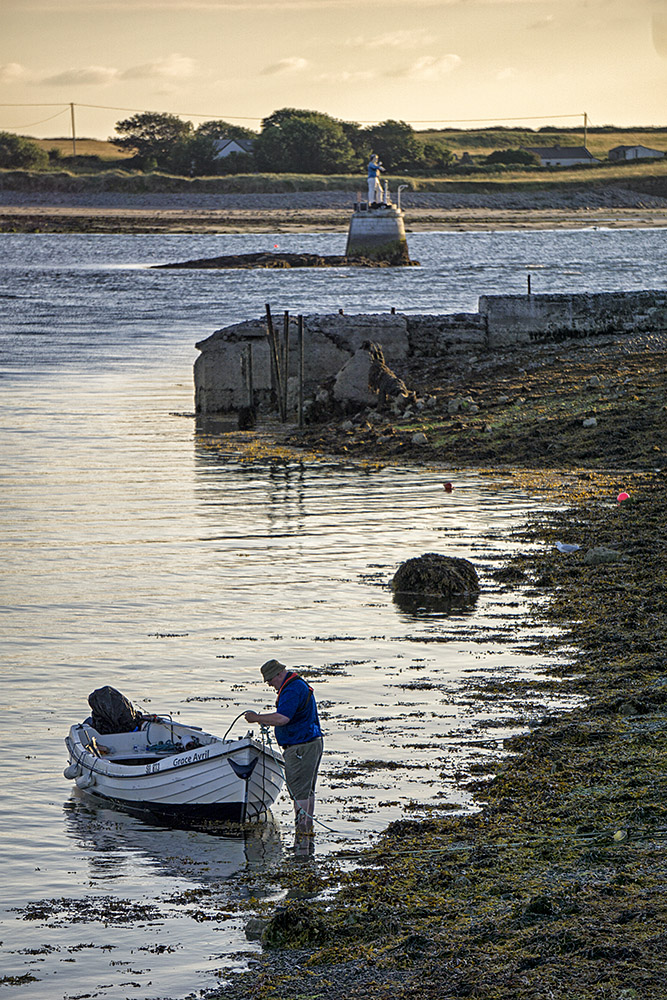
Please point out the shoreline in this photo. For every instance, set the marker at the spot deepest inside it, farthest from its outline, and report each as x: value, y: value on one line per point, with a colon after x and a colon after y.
x: 109, y: 212
x: 138, y: 221
x: 553, y: 889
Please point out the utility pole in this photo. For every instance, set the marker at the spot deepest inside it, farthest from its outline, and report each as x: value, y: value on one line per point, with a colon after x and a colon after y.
x: 71, y: 108
x: 585, y: 130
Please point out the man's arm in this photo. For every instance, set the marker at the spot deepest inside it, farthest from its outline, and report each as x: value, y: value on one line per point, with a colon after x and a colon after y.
x: 267, y: 719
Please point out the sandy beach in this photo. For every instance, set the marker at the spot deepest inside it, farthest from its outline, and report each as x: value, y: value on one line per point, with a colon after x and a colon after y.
x: 324, y: 211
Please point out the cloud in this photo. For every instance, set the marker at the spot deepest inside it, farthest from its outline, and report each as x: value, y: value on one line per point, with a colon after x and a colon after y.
x: 170, y: 69
x: 659, y: 27
x: 292, y: 64
x: 408, y: 38
x: 12, y: 73
x: 347, y: 76
x: 429, y: 68
x: 173, y: 67
x: 509, y: 73
x: 542, y: 22
x: 94, y: 75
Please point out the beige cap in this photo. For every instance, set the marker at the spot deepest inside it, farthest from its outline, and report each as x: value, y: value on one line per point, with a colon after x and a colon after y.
x: 271, y: 669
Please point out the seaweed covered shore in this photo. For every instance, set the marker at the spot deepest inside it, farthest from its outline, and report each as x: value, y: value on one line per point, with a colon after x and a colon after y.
x: 555, y: 887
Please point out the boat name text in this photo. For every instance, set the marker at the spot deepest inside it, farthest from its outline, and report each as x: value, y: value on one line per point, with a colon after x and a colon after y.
x: 191, y: 758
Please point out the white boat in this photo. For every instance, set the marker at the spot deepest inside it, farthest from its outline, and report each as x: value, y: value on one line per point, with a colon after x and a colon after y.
x: 178, y: 772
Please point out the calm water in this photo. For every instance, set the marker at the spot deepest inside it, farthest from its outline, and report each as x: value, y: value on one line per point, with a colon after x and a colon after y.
x: 135, y: 554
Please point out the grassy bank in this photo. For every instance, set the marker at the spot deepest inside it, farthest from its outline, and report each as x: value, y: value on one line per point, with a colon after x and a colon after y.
x: 598, y: 141
x: 649, y: 176
x: 477, y: 142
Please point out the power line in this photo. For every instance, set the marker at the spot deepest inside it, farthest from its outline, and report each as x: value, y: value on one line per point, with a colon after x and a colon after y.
x: 249, y: 118
x: 180, y: 114
x: 15, y: 128
x: 58, y: 104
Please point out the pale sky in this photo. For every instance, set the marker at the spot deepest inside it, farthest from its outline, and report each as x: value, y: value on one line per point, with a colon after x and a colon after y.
x: 427, y: 62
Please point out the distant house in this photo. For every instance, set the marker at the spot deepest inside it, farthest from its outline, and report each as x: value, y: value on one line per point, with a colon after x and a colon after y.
x: 634, y: 153
x: 226, y: 146
x: 562, y: 156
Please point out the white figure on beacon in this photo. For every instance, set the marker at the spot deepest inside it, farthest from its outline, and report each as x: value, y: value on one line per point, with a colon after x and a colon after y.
x: 375, y: 192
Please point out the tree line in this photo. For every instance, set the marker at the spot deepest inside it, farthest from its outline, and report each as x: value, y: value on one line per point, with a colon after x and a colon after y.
x: 290, y: 141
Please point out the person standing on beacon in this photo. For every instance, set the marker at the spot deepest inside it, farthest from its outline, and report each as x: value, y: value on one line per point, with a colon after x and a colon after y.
x: 298, y: 734
x: 374, y: 186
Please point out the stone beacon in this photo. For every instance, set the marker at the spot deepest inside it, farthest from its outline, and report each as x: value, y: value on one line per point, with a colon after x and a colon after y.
x: 377, y: 231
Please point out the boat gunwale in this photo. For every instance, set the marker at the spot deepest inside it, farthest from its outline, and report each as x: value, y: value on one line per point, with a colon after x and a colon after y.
x: 168, y: 763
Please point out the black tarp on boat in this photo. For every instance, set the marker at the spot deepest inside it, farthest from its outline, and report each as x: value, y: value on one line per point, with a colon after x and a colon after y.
x: 113, y: 712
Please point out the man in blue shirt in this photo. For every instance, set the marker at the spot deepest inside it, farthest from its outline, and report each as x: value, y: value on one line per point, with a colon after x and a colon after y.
x: 298, y: 734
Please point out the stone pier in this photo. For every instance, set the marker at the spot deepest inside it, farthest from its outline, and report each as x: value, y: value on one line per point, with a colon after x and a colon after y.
x: 331, y: 341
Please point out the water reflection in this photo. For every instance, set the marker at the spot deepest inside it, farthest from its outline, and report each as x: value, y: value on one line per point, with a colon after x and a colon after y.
x: 429, y: 606
x: 118, y: 841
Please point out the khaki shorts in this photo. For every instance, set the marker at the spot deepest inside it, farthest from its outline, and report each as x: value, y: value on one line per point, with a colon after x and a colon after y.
x: 302, y: 762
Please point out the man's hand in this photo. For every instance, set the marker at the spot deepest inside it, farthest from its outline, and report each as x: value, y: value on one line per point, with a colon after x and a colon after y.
x: 267, y: 719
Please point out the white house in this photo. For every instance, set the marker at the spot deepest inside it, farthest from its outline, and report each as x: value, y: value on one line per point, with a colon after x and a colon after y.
x: 562, y: 156
x: 634, y: 153
x: 226, y: 146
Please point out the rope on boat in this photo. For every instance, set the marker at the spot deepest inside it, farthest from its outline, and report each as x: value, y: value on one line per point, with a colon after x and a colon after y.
x: 234, y: 721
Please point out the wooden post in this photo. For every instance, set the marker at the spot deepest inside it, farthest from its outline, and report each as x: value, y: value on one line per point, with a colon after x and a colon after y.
x: 529, y: 284
x: 249, y: 378
x: 301, y: 355
x: 273, y: 347
x: 285, y: 362
x: 71, y: 109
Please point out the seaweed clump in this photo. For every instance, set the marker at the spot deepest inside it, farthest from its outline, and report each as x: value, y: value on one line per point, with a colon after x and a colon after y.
x: 436, y: 575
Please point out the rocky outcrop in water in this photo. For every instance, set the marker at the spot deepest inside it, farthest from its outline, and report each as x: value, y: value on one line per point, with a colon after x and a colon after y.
x: 436, y: 575
x: 279, y: 260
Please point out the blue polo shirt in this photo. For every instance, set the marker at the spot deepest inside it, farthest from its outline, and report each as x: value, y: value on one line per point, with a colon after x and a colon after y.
x: 297, y: 701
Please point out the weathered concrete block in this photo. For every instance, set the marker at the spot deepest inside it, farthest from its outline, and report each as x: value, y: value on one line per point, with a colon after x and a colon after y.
x: 329, y: 342
x: 521, y: 319
x: 351, y: 383
x: 436, y: 336
x: 348, y: 333
x: 332, y: 340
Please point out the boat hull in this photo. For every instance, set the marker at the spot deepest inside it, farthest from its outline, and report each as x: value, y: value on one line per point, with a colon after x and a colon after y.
x: 223, y: 780
x: 181, y: 815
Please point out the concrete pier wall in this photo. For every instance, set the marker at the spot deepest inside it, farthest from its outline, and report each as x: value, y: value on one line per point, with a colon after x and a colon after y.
x: 522, y: 319
x: 331, y: 340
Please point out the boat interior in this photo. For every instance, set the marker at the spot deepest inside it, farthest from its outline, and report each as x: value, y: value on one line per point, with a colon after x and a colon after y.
x: 153, y: 742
